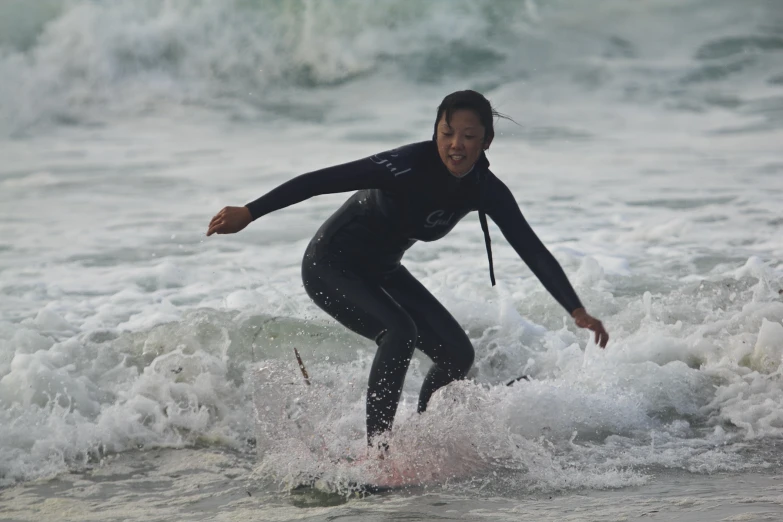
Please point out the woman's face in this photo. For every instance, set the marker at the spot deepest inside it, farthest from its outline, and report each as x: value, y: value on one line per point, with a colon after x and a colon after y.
x: 460, y: 144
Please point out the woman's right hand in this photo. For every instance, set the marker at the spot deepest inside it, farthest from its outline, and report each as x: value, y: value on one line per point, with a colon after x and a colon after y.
x: 230, y: 220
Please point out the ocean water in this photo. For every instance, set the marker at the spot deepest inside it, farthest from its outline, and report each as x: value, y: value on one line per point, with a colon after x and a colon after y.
x: 147, y: 371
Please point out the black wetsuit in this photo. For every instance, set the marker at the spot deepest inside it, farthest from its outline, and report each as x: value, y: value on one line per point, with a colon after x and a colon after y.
x: 352, y: 269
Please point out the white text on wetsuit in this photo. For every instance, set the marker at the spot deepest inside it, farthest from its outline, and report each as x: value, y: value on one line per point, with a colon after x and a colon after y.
x: 434, y: 219
x: 389, y: 165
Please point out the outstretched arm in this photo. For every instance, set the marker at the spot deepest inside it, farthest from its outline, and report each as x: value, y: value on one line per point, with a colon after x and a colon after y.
x: 505, y: 212
x: 356, y: 175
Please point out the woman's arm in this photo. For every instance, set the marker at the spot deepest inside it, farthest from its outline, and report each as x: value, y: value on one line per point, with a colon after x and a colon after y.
x: 356, y: 175
x: 378, y: 171
x: 504, y: 211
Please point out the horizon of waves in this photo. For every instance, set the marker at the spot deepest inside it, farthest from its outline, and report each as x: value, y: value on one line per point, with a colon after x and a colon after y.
x: 84, y: 62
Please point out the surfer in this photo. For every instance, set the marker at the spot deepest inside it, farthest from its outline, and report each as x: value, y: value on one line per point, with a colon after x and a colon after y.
x: 418, y: 192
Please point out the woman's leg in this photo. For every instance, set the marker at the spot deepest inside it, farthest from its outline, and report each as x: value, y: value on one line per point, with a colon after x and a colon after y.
x: 362, y: 305
x: 440, y: 336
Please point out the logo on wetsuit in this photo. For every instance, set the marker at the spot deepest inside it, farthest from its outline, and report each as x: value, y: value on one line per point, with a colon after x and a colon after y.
x: 378, y: 160
x: 434, y: 219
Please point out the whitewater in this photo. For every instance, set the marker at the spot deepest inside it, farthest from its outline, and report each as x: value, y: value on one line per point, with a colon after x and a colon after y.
x: 147, y: 371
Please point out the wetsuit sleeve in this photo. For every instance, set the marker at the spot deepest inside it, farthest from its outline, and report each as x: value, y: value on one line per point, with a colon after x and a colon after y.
x: 379, y: 171
x: 504, y: 211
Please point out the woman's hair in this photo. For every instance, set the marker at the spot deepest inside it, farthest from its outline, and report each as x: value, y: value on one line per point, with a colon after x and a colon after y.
x: 473, y: 101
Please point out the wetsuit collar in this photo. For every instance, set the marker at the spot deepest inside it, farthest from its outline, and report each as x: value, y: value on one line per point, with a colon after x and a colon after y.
x: 466, y: 174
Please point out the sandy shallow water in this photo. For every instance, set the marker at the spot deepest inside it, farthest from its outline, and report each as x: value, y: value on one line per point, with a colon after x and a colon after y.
x: 205, y: 484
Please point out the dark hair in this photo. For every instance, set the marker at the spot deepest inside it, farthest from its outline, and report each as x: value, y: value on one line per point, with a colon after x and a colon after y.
x: 473, y: 101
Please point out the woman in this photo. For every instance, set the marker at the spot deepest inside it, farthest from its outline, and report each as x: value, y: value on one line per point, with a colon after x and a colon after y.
x: 352, y: 267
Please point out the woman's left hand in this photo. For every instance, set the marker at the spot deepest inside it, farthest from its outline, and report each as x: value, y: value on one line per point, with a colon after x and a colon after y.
x: 585, y: 320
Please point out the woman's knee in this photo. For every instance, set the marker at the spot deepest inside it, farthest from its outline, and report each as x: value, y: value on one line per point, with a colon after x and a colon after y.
x: 401, y: 331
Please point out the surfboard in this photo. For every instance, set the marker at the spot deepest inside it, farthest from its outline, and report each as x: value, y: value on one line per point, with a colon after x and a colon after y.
x: 350, y: 488
x: 324, y: 493
x: 380, y: 477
